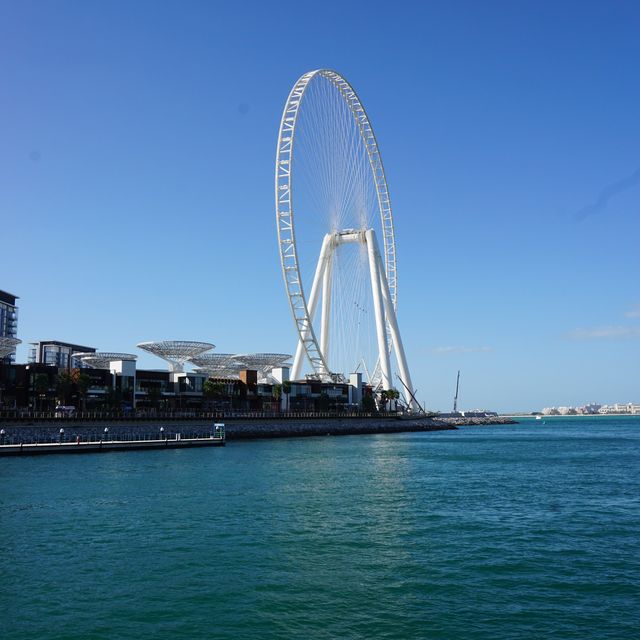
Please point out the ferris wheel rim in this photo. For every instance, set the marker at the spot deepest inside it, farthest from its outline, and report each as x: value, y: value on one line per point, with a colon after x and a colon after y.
x: 285, y: 218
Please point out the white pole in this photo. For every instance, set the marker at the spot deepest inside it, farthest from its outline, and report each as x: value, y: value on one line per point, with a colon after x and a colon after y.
x: 313, y: 303
x: 395, y: 331
x: 326, y: 307
x: 383, y: 350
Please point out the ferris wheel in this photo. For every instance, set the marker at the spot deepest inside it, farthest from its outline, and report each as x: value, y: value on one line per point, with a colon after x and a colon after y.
x: 332, y: 209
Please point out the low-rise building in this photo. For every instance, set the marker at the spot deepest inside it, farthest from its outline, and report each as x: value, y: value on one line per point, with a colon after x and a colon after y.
x: 58, y: 354
x: 8, y: 321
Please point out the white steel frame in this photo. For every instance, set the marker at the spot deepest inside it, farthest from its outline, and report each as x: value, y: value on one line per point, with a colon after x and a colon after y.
x: 103, y: 359
x: 383, y: 273
x: 220, y: 365
x: 8, y: 345
x: 176, y: 352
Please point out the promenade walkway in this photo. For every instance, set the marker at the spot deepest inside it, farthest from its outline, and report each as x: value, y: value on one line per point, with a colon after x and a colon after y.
x: 79, y: 446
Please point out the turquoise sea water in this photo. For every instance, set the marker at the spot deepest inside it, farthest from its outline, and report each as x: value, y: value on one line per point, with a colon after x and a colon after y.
x: 525, y: 531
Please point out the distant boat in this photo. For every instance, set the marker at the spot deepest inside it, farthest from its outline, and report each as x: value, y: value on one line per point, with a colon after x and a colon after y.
x: 538, y: 417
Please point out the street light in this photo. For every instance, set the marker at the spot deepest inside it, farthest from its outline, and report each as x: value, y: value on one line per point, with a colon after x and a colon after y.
x: 2, y: 435
x: 61, y: 434
x: 161, y: 433
x: 106, y: 432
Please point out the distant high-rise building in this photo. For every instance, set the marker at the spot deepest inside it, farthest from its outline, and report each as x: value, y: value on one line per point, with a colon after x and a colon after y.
x: 8, y: 319
x: 58, y: 353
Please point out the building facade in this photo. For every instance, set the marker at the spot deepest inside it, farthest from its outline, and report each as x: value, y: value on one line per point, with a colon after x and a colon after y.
x: 8, y: 320
x: 58, y: 354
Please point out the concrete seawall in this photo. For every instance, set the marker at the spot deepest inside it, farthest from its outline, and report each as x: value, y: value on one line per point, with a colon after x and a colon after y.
x: 235, y: 428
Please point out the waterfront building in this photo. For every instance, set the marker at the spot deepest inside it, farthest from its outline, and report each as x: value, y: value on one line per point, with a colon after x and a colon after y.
x: 58, y: 354
x: 318, y: 396
x: 38, y: 387
x: 8, y: 321
x: 590, y: 409
x: 356, y: 389
x: 628, y: 407
x: 106, y: 381
x: 593, y: 408
x: 154, y: 389
x: 188, y: 388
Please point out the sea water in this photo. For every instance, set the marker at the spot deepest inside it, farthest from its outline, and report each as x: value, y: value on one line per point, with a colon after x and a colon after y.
x: 519, y: 531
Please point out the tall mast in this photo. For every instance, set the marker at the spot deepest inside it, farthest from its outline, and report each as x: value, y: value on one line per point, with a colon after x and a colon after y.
x: 455, y: 400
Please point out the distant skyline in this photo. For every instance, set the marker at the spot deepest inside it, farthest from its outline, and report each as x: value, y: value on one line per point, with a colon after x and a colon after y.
x: 136, y: 180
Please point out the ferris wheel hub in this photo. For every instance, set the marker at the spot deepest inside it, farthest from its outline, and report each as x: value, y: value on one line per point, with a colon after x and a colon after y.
x: 349, y: 235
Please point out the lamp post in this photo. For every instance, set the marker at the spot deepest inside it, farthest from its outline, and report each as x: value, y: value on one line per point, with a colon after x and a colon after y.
x: 161, y: 433
x: 2, y: 435
x: 106, y: 433
x: 61, y: 435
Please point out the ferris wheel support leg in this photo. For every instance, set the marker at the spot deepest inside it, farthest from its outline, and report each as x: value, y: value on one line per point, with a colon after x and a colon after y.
x: 297, y: 361
x: 325, y: 250
x: 326, y: 307
x: 396, y: 340
x: 383, y: 348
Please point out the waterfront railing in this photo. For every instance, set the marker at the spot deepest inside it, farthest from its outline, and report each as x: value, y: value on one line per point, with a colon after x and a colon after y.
x: 133, y: 416
x: 16, y: 438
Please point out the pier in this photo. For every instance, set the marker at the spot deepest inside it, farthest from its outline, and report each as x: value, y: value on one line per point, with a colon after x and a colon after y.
x: 90, y: 445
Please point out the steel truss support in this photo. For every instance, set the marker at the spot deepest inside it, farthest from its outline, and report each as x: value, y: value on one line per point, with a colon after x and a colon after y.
x: 326, y: 306
x: 376, y: 291
x: 325, y: 255
x: 392, y: 324
x: 387, y: 330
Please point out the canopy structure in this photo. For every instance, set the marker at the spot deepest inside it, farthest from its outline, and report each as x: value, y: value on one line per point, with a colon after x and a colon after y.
x: 102, y: 359
x: 218, y: 365
x: 8, y: 346
x: 231, y: 372
x: 176, y: 352
x: 263, y: 363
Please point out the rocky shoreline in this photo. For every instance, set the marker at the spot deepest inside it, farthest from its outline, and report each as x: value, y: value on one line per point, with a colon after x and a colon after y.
x: 301, y: 428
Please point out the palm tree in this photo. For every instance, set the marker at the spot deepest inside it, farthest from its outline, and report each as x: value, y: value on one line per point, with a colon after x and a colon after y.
x: 64, y: 383
x: 211, y: 388
x: 393, y: 394
x: 83, y: 382
x: 323, y: 402
x: 286, y: 389
x: 113, y: 398
x: 276, y: 392
x: 41, y: 387
x: 154, y: 395
x: 368, y: 404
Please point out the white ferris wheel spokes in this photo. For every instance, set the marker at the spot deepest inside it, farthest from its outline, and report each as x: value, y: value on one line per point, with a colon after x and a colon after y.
x: 329, y: 240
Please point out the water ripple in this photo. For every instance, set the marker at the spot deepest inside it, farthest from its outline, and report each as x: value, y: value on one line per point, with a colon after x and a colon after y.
x: 518, y: 532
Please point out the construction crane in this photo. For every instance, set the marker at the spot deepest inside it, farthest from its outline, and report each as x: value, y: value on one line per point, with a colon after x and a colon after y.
x: 455, y: 400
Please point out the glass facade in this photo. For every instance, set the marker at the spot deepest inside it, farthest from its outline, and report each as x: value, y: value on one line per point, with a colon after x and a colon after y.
x: 8, y: 319
x: 58, y: 354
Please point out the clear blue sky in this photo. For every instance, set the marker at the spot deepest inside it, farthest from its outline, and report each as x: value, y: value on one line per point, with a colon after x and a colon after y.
x: 137, y: 142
